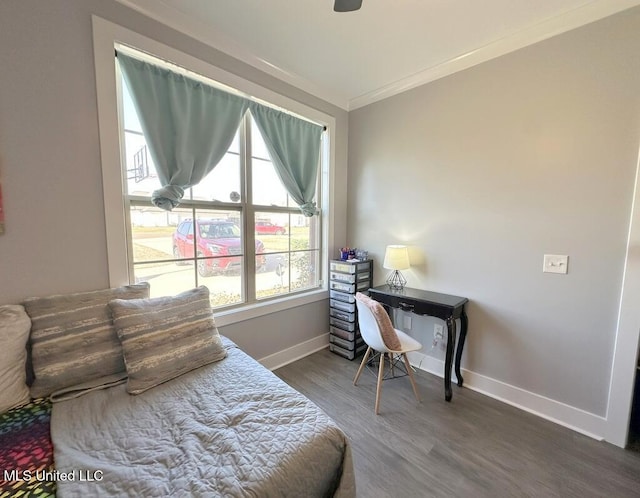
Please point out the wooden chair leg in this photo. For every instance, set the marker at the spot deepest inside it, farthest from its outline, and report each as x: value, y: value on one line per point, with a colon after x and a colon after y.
x: 410, y: 372
x: 364, y: 362
x: 379, y: 386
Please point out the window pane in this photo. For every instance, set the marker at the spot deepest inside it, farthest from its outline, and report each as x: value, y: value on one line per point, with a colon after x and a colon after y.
x: 152, y: 233
x: 142, y: 178
x: 258, y: 147
x: 130, y: 117
x: 140, y: 171
x: 272, y: 230
x: 153, y: 239
x: 304, y: 270
x: 223, y: 182
x: 166, y: 279
x: 286, y: 231
x: 219, y: 240
x: 267, y: 187
x: 290, y: 245
x: 304, y: 232
x: 288, y: 272
x: 235, y: 145
x: 220, y: 255
x: 225, y: 286
x: 274, y: 280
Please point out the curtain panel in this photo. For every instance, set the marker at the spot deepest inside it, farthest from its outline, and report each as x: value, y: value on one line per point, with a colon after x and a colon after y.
x: 294, y: 148
x: 188, y: 125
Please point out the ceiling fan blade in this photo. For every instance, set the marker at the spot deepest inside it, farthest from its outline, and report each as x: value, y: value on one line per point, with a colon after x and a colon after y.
x: 346, y: 5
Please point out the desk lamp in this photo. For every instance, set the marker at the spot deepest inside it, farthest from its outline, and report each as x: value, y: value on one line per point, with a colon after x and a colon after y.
x: 396, y: 258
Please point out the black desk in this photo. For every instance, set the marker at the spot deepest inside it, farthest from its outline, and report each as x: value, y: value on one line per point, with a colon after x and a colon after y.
x: 443, y: 306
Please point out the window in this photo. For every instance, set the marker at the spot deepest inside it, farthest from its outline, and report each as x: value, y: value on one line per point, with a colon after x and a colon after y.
x: 238, y: 231
x: 119, y: 225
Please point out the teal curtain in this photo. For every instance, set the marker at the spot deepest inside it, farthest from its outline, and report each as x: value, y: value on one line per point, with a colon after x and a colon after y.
x: 187, y: 124
x: 294, y: 148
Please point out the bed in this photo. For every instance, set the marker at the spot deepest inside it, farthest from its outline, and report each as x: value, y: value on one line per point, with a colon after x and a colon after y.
x: 231, y: 428
x: 150, y: 400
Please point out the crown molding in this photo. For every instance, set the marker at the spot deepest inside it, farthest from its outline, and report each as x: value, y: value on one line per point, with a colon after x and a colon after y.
x: 585, y: 14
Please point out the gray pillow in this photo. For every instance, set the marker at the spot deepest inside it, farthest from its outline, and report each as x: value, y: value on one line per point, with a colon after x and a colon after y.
x: 165, y: 337
x: 14, y: 332
x: 73, y: 342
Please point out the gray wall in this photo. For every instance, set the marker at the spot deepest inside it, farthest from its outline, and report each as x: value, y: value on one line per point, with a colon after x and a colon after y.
x: 484, y: 171
x: 50, y: 158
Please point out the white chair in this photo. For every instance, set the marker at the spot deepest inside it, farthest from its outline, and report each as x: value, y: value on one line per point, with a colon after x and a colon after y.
x: 372, y: 336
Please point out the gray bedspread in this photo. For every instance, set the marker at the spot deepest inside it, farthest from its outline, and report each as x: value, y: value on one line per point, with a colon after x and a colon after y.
x: 231, y: 428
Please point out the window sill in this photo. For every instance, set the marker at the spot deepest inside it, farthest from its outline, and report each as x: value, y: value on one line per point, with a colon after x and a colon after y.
x: 259, y: 309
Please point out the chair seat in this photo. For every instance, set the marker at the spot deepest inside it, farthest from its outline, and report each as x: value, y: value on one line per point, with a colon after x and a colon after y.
x: 408, y: 343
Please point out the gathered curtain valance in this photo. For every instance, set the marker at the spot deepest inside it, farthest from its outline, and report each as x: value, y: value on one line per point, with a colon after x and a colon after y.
x: 189, y: 127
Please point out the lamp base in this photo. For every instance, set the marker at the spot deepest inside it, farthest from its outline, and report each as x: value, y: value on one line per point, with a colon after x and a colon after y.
x: 396, y: 280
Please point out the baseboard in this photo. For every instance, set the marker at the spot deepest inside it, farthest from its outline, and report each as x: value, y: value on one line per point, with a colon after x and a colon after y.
x: 560, y: 413
x: 294, y: 353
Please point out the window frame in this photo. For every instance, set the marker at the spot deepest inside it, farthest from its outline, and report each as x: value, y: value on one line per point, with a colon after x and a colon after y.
x: 107, y: 36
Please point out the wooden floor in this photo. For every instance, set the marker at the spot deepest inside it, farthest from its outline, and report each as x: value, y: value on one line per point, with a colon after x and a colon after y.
x: 474, y: 446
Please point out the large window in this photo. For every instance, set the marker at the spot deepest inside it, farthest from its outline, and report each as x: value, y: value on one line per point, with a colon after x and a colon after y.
x: 238, y: 231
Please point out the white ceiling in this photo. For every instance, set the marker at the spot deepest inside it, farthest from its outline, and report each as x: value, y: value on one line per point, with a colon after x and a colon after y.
x: 388, y: 46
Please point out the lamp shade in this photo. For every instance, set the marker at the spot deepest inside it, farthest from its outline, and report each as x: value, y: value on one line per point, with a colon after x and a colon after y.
x: 396, y: 258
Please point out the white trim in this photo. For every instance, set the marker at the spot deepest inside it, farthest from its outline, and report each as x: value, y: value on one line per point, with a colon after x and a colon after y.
x: 623, y: 370
x: 294, y: 353
x: 560, y: 413
x: 105, y: 35
x: 328, y: 175
x: 106, y: 89
x: 548, y: 28
x: 590, y: 12
x: 255, y: 310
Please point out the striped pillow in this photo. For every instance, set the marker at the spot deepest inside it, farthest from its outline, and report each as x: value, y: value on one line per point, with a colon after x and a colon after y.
x: 74, y: 347
x: 165, y: 337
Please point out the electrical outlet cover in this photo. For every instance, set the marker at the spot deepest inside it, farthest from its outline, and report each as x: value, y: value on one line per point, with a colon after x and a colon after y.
x: 438, y: 331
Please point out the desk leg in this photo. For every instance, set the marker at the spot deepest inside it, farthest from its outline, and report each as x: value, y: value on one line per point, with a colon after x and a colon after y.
x: 389, y: 311
x: 448, y: 362
x: 463, y: 335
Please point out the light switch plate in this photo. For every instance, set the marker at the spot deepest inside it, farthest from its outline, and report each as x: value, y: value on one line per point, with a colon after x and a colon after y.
x: 555, y: 263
